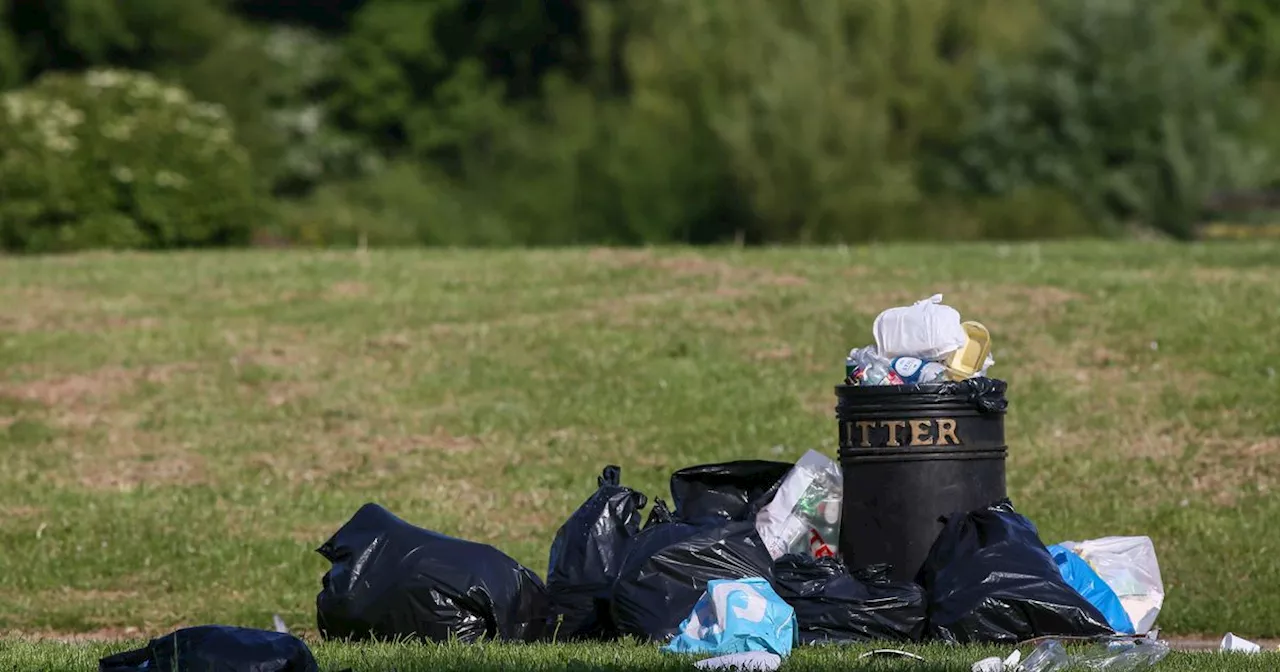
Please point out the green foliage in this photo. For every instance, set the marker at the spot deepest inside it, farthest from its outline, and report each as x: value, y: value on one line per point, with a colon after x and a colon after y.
x: 119, y: 159
x: 599, y: 121
x: 137, y: 34
x: 816, y: 106
x: 402, y: 205
x: 1116, y: 108
x: 1247, y: 32
x: 271, y: 81
x: 434, y: 76
x: 764, y: 121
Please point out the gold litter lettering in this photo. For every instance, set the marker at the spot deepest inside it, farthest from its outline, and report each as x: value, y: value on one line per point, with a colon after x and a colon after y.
x: 947, y: 432
x: 894, y: 426
x: 865, y: 426
x: 920, y: 432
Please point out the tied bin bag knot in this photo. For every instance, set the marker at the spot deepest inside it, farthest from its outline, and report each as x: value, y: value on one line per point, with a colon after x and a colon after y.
x: 910, y: 455
x: 587, y: 555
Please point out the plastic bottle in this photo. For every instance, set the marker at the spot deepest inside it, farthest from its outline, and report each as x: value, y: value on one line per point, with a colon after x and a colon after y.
x: 820, y: 506
x: 1048, y: 657
x: 1121, y: 655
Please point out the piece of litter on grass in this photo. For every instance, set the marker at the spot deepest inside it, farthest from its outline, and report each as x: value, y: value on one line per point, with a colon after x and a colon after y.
x: 992, y: 664
x: 40, y: 530
x: 890, y: 653
x: 755, y: 661
x: 279, y: 624
x: 996, y: 664
x: 1239, y: 644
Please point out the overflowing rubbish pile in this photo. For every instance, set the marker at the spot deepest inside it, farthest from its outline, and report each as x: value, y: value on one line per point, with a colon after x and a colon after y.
x: 752, y: 558
x: 924, y: 343
x: 701, y: 578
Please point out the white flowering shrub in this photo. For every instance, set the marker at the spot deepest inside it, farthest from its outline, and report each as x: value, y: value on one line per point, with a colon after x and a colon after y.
x: 119, y: 159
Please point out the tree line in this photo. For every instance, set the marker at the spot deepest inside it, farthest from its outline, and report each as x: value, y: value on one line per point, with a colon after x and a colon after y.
x: 174, y: 123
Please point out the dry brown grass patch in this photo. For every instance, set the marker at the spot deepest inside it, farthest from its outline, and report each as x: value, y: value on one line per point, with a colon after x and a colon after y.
x: 36, y: 309
x: 1225, y: 469
x: 775, y: 353
x: 277, y: 356
x: 1212, y: 274
x: 1027, y: 305
x: 130, y: 472
x: 368, y: 457
x: 20, y: 511
x: 347, y: 289
x: 115, y: 634
x: 83, y: 400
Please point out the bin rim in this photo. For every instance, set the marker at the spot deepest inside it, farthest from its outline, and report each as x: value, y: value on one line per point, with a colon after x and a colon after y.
x: 845, y: 390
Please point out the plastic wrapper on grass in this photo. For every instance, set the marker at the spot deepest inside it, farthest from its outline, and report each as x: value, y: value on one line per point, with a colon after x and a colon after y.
x: 989, y: 578
x: 587, y: 555
x: 391, y: 580
x: 214, y: 648
x: 833, y: 605
x: 1130, y: 568
x: 737, y: 616
x: 1076, y: 572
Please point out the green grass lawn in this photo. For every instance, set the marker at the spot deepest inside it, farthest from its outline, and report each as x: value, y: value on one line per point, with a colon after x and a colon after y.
x: 180, y: 432
x: 595, y: 658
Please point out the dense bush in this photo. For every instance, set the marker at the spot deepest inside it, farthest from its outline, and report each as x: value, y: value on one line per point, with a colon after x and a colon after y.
x: 402, y: 205
x: 118, y: 159
x: 600, y: 121
x: 431, y: 77
x: 760, y: 120
x: 1115, y: 107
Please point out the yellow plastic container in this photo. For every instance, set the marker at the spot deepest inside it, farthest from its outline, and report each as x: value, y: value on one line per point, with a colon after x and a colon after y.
x: 968, y: 360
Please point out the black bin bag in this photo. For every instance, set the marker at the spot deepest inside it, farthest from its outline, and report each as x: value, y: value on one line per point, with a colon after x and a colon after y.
x: 216, y: 648
x: 711, y: 535
x: 990, y: 579
x: 833, y: 605
x: 391, y: 580
x: 669, y: 566
x: 587, y: 555
x: 726, y: 491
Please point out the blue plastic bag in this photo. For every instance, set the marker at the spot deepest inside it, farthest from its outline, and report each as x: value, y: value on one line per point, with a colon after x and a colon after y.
x: 1081, y: 576
x: 737, y: 616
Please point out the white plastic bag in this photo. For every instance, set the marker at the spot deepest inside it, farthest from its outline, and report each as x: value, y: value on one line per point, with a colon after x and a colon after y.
x: 926, y: 329
x: 804, y: 516
x: 1129, y: 566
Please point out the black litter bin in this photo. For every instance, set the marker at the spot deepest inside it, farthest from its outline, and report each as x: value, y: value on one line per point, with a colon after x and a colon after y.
x: 910, y: 455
